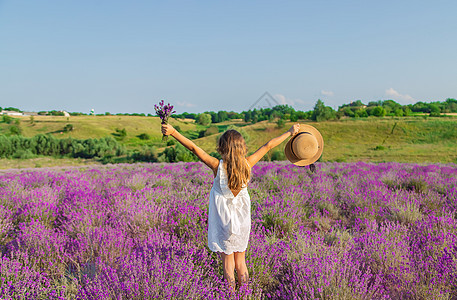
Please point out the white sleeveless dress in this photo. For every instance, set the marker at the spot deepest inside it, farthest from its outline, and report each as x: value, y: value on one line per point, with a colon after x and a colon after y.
x: 229, y: 217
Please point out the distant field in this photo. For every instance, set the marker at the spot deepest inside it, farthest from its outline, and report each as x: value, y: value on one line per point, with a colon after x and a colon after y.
x: 413, y: 139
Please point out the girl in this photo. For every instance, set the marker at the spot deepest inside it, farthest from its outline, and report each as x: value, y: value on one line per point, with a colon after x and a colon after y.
x: 229, y: 214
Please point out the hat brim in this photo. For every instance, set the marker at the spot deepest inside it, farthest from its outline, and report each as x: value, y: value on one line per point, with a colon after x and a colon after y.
x: 304, y: 162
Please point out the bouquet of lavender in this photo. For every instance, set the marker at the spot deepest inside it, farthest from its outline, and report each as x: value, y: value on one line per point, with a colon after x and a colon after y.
x: 164, y: 112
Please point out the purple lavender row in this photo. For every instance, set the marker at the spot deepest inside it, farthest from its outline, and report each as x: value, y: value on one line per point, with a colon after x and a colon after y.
x: 349, y: 230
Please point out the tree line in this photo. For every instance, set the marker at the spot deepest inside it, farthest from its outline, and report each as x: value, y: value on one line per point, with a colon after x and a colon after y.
x: 321, y: 112
x: 355, y: 109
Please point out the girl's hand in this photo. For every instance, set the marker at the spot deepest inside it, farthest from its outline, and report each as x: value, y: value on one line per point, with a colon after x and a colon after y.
x: 167, y: 129
x: 294, y: 129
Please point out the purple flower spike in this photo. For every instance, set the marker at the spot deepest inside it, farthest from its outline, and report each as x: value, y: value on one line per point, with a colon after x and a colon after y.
x: 164, y: 112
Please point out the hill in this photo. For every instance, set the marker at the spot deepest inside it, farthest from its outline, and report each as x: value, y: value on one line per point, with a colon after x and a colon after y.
x: 96, y: 127
x: 372, y: 139
x: 405, y: 139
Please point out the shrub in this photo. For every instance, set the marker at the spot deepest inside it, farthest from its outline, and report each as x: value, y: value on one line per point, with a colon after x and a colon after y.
x: 278, y: 155
x: 120, y: 133
x: 15, y: 130
x: 240, y: 130
x: 68, y: 128
x: 48, y: 145
x: 23, y: 154
x: 7, y: 119
x: 280, y: 123
x: 177, y: 153
x: 182, y: 154
x: 147, y: 154
x: 144, y: 136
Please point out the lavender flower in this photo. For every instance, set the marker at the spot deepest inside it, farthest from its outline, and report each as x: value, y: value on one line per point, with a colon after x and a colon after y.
x: 349, y: 231
x: 164, y: 112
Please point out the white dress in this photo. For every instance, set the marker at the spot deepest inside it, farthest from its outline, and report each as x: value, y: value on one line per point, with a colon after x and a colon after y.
x: 229, y: 217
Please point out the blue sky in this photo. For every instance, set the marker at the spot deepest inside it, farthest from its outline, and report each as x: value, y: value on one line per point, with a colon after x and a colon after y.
x: 125, y: 56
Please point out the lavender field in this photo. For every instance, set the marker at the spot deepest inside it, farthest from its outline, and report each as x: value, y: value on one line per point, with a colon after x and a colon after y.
x: 347, y: 231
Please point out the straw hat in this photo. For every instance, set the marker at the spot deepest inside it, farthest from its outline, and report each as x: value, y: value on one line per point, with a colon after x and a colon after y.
x: 305, y: 147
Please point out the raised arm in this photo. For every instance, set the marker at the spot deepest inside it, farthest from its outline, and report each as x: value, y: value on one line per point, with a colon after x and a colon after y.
x: 256, y: 156
x: 207, y: 159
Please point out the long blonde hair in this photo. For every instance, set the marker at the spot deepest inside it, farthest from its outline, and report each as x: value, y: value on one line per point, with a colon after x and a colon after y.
x: 232, y: 147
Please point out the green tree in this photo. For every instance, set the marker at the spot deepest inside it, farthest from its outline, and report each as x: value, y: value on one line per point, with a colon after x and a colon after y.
x: 434, y: 110
x: 348, y: 112
x: 12, y: 109
x: 375, y: 103
x: 322, y: 112
x: 378, y: 111
x: 301, y: 115
x: 293, y: 117
x: 214, y: 116
x: 451, y: 105
x: 407, y: 111
x: 361, y: 113
x: 222, y: 115
x: 390, y: 106
x: 247, y: 116
x: 204, y: 119
x: 234, y: 115
x: 255, y: 116
x: 357, y: 103
x: 399, y: 112
x: 420, y: 107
